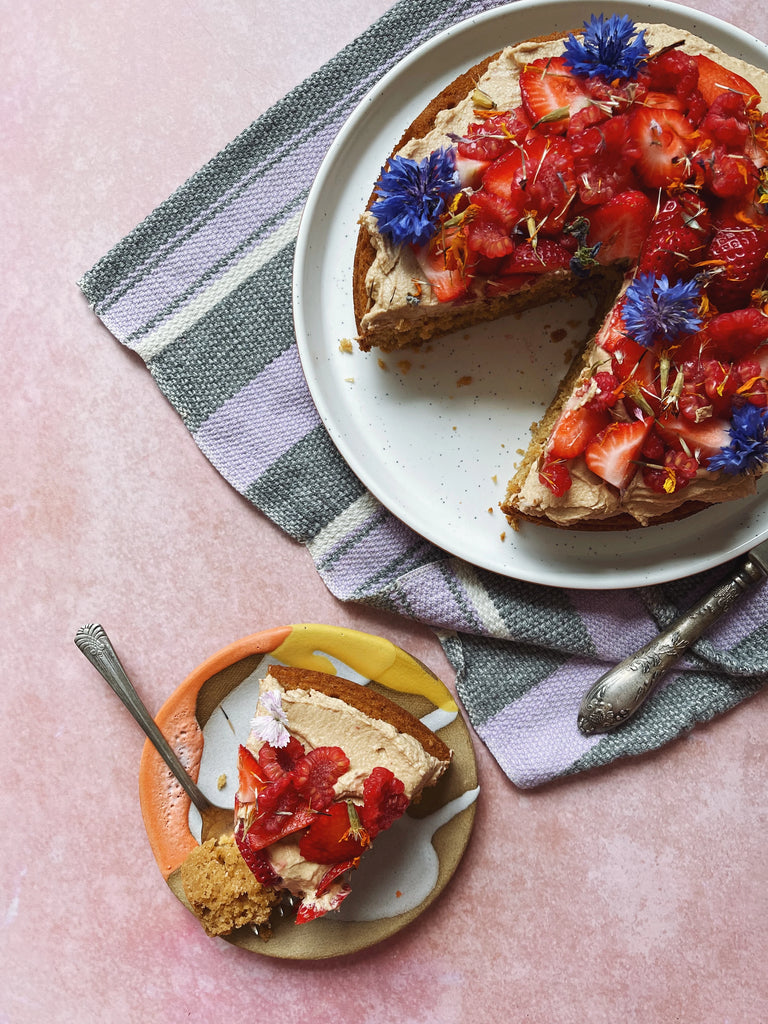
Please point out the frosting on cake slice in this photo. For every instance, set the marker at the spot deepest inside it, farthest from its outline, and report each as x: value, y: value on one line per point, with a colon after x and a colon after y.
x: 328, y: 765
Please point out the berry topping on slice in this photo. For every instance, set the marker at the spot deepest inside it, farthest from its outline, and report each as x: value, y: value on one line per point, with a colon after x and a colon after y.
x: 620, y: 226
x: 278, y: 761
x: 574, y: 430
x: 443, y: 263
x: 384, y: 801
x: 555, y: 475
x: 316, y: 773
x: 736, y: 257
x: 334, y: 837
x: 614, y: 453
x: 551, y: 94
x: 714, y: 80
x: 665, y: 139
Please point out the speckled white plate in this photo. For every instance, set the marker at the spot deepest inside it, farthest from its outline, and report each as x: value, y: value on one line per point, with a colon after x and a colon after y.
x: 434, y: 434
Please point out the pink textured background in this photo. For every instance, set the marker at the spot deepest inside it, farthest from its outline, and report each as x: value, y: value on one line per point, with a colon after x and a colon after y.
x: 634, y: 894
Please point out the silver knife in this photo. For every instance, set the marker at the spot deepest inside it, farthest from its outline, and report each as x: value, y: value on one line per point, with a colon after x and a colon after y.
x: 618, y: 694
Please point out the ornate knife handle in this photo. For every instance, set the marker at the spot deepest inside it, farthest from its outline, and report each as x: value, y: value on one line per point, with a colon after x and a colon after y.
x: 94, y: 643
x: 618, y: 694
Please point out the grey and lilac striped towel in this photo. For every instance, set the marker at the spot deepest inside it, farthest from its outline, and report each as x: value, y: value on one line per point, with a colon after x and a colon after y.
x: 202, y: 291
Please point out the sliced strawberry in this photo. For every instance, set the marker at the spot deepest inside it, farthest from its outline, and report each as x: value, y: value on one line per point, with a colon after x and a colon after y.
x: 316, y: 773
x: 256, y: 860
x: 574, y: 429
x: 702, y: 439
x: 251, y: 776
x: 676, y: 241
x: 537, y: 176
x: 612, y: 335
x: 620, y: 226
x: 309, y: 908
x: 328, y: 839
x: 613, y: 454
x: 441, y: 261
x: 384, y: 801
x: 665, y: 140
x: 279, y: 812
x: 551, y: 91
x: 715, y: 79
x: 507, y: 210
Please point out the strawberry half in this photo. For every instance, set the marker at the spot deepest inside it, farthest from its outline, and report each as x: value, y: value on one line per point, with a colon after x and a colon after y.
x: 551, y: 93
x: 613, y: 454
x: 574, y: 430
x: 441, y: 263
x: 703, y: 439
x: 329, y: 839
x: 714, y: 79
x: 740, y: 256
x: 620, y: 226
x: 665, y: 139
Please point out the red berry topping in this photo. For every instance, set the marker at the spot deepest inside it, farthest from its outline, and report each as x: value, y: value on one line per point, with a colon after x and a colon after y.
x: 575, y: 429
x: 555, y: 476
x: 384, y: 801
x: 317, y: 772
x: 614, y: 453
x: 551, y: 92
x: 620, y: 225
x: 331, y: 839
x: 278, y: 761
x: 737, y: 258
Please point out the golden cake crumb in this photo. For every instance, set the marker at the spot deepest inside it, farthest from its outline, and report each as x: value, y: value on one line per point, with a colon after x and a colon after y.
x: 221, y: 781
x: 345, y: 345
x: 221, y: 890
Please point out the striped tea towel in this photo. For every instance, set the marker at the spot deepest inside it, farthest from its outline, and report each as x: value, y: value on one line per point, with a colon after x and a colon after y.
x: 202, y: 291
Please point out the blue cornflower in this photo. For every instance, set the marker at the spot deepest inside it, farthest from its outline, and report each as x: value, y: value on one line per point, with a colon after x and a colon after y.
x: 412, y: 196
x: 748, y: 450
x: 655, y: 309
x: 606, y: 49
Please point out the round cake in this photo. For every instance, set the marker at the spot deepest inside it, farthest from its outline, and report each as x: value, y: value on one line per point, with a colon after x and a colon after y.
x: 627, y: 162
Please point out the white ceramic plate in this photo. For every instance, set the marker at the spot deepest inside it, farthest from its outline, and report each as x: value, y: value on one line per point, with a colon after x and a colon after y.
x: 434, y: 434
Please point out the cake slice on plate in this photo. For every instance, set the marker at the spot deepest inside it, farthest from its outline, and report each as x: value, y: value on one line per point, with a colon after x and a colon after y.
x: 328, y: 765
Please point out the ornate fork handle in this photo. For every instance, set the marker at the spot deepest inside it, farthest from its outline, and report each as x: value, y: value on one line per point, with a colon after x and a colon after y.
x: 618, y: 694
x: 94, y: 643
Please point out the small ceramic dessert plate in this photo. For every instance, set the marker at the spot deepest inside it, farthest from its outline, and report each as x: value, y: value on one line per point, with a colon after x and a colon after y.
x: 209, y: 715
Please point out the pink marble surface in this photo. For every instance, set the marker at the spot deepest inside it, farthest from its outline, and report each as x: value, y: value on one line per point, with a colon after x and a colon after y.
x: 636, y: 893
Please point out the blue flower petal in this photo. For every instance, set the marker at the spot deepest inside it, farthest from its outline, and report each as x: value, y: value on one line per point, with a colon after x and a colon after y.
x: 607, y: 49
x: 748, y: 448
x: 413, y: 196
x: 655, y: 310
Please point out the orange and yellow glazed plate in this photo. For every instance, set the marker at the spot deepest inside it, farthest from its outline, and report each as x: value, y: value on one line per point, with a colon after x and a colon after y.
x: 209, y: 715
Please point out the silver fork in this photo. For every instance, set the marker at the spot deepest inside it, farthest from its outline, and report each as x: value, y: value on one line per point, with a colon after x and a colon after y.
x: 93, y: 642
